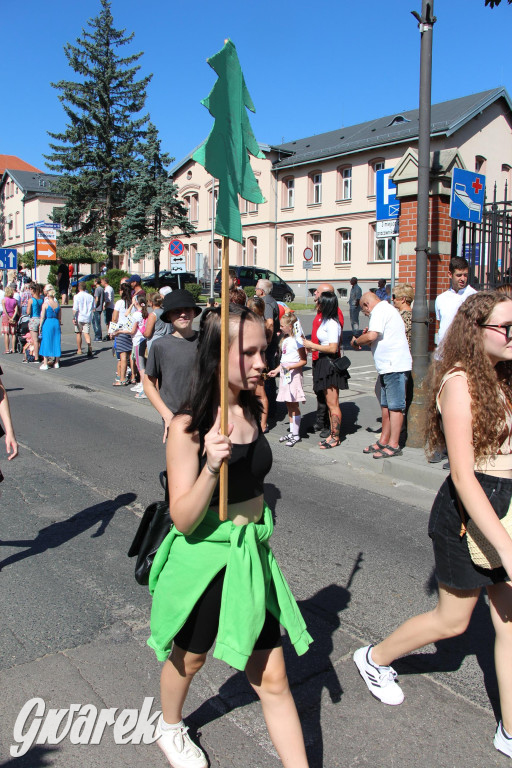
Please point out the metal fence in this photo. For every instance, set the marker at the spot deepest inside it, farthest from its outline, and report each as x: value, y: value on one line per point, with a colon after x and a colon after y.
x: 488, y: 246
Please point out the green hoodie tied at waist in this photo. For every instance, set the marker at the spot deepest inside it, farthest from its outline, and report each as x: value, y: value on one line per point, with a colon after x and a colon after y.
x: 185, y: 565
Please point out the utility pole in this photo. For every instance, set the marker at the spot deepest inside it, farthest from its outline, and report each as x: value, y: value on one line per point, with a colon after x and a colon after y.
x: 420, y: 314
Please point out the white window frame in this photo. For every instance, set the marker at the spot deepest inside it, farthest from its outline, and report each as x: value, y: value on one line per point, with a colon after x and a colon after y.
x: 345, y: 246
x: 346, y: 183
x: 289, y: 250
x: 316, y: 247
x: 317, y: 188
x: 290, y: 193
x: 390, y: 244
x: 253, y: 250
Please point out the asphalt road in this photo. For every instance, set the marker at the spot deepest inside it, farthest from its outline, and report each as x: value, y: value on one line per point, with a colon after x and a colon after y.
x: 357, y: 556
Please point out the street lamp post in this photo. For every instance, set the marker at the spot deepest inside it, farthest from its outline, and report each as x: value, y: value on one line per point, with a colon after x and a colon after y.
x: 420, y: 314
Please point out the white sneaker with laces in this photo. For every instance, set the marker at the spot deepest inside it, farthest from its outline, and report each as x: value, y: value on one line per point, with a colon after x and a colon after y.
x: 137, y: 388
x: 43, y: 367
x: 502, y: 742
x: 179, y: 748
x: 380, y: 680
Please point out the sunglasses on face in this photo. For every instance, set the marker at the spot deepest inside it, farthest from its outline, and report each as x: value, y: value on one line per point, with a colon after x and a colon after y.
x: 506, y: 328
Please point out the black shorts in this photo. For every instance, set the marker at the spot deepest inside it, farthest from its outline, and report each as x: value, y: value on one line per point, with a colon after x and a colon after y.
x: 454, y: 566
x: 200, y: 630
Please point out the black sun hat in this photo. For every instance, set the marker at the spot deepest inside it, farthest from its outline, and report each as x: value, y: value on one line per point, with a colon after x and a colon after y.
x: 178, y: 300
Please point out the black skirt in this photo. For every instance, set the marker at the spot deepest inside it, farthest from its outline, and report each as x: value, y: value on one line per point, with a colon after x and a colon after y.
x: 325, y: 374
x: 454, y: 566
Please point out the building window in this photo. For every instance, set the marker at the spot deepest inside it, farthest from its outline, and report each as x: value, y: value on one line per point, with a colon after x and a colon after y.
x: 315, y: 243
x: 192, y: 251
x: 506, y: 171
x: 17, y: 223
x: 253, y: 207
x: 315, y: 188
x: 216, y: 195
x: 253, y: 250
x: 479, y: 164
x: 288, y: 250
x: 373, y: 166
x: 244, y: 206
x: 385, y: 248
x: 192, y: 203
x: 344, y: 246
x: 243, y: 250
x: 288, y: 193
x: 217, y: 253
x: 345, y: 183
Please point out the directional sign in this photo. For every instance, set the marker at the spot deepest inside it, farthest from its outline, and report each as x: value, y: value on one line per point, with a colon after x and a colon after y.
x: 308, y: 254
x: 176, y: 247
x: 178, y: 264
x: 46, y: 244
x: 8, y: 258
x: 35, y: 224
x: 468, y: 195
x: 388, y: 206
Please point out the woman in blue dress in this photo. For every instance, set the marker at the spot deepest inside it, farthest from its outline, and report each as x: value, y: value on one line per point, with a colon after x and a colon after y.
x: 50, y: 331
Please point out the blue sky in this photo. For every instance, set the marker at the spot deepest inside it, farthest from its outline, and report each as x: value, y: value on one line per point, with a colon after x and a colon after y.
x: 310, y: 67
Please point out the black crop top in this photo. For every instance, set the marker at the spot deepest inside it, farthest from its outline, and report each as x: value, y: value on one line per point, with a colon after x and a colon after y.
x: 248, y: 466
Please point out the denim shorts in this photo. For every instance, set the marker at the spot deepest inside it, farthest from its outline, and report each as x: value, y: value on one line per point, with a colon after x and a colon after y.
x: 454, y: 566
x: 392, y: 393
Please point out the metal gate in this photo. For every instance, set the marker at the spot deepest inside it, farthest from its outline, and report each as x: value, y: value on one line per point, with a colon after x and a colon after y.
x: 488, y: 246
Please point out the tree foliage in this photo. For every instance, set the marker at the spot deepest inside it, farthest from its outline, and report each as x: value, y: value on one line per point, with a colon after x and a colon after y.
x: 492, y: 3
x: 94, y: 154
x: 152, y: 204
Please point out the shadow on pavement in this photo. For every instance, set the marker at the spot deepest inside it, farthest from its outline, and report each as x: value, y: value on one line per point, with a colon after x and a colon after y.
x: 308, y: 674
x: 37, y: 757
x: 59, y: 533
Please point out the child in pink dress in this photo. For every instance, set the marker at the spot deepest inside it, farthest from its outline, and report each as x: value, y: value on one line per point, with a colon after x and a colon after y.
x: 291, y: 392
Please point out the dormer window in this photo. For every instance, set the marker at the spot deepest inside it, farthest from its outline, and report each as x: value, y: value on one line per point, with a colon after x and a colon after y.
x: 399, y: 119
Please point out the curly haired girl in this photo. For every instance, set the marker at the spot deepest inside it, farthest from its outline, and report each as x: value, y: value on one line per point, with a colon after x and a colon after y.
x: 469, y: 411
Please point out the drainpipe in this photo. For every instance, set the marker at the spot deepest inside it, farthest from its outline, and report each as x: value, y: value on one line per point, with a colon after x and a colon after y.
x: 276, y: 172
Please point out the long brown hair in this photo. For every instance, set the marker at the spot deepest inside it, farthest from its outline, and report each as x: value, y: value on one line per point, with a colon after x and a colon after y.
x: 463, y: 348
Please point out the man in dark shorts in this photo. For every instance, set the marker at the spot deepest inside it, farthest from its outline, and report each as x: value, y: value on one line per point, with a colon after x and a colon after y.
x: 171, y: 358
x: 63, y: 281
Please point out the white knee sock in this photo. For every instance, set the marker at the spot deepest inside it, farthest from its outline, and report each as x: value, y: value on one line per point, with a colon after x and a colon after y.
x: 295, y: 425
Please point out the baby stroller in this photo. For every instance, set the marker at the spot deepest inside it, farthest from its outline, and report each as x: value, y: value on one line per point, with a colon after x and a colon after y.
x: 21, y: 331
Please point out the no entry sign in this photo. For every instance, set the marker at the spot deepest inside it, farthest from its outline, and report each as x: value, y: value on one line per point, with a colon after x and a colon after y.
x: 176, y: 247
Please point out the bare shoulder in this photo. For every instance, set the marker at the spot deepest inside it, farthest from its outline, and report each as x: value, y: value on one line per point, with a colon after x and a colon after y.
x: 179, y: 439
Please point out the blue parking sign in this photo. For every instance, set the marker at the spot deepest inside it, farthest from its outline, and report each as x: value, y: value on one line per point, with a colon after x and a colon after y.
x: 388, y: 206
x: 468, y: 195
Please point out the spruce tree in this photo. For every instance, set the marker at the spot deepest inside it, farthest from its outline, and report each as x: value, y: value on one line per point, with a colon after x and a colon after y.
x: 94, y: 155
x: 152, y: 204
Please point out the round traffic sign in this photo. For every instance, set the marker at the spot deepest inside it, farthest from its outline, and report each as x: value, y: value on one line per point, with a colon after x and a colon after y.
x: 176, y: 247
x: 308, y: 254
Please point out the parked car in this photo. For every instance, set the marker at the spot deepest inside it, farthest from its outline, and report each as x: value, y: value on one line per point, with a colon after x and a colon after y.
x: 166, y: 277
x: 82, y: 279
x: 250, y: 275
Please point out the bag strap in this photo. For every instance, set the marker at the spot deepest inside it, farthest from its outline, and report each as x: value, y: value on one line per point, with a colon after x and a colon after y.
x: 463, y: 517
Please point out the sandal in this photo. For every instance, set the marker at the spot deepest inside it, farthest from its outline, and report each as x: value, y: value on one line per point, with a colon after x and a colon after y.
x: 392, y: 452
x: 121, y: 383
x: 372, y: 449
x: 325, y: 445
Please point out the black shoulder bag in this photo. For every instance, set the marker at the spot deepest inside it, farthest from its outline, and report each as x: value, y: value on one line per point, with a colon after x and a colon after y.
x: 153, y: 528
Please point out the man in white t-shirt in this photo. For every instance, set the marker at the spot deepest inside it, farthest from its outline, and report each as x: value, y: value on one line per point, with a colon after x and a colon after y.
x: 393, y: 361
x: 83, y: 304
x: 448, y: 303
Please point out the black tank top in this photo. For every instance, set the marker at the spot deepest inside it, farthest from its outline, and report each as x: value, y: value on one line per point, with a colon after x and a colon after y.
x: 248, y: 466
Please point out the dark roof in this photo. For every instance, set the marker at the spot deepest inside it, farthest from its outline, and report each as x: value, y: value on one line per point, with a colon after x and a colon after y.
x: 446, y: 118
x: 33, y: 184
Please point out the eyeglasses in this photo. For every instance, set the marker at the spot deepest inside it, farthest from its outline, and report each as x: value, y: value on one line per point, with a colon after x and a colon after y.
x: 506, y: 328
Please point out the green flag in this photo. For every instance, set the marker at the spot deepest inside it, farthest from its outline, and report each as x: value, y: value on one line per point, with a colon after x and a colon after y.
x: 224, y: 153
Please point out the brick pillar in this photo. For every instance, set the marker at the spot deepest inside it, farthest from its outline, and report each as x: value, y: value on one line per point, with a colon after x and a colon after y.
x: 440, y: 240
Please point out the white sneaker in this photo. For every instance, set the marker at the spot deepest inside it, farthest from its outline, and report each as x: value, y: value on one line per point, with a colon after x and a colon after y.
x: 137, y: 388
x: 57, y: 365
x: 502, y: 742
x: 43, y: 367
x: 380, y: 680
x: 179, y: 748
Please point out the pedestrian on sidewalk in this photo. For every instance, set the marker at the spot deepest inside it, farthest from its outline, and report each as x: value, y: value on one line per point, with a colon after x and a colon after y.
x: 171, y: 358
x: 83, y: 305
x: 99, y: 297
x: 354, y: 303
x: 34, y: 308
x: 139, y: 313
x: 50, y: 331
x: 291, y: 392
x: 108, y: 304
x: 326, y: 377
x: 8, y: 430
x: 10, y: 317
x: 470, y: 412
x: 257, y: 305
x: 386, y: 335
x: 122, y: 337
x: 448, y: 303
x: 213, y: 579
x: 155, y: 326
x: 322, y: 422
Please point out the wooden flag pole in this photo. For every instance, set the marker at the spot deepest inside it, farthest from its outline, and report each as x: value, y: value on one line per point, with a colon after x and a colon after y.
x: 224, y: 349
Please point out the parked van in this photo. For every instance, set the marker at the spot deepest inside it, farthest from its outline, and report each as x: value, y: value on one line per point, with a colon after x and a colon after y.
x: 250, y: 276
